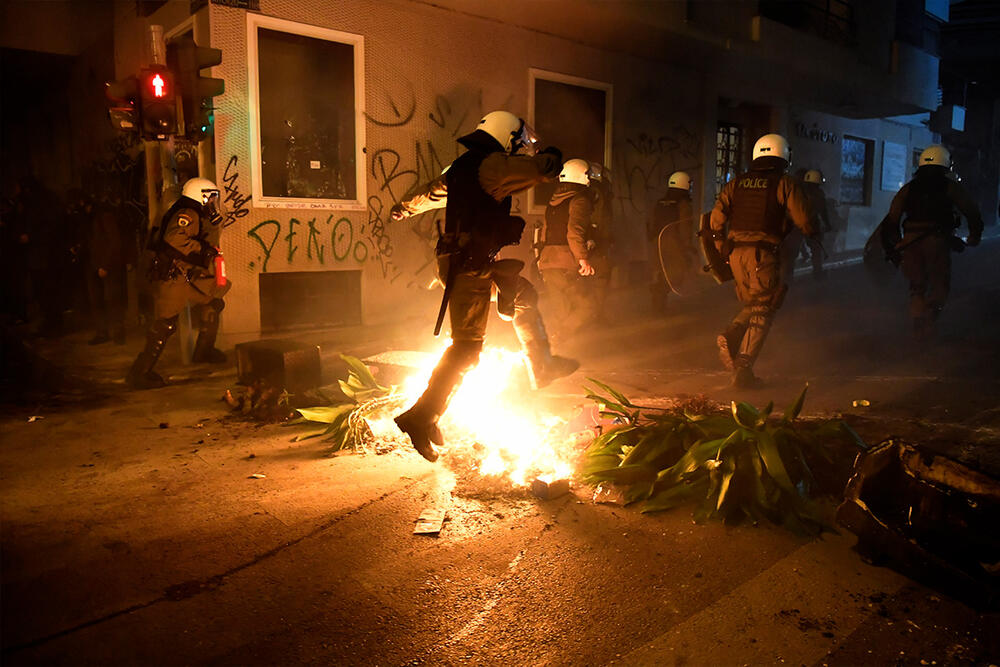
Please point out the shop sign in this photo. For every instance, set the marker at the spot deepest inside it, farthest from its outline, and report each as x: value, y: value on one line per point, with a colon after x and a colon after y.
x: 816, y: 134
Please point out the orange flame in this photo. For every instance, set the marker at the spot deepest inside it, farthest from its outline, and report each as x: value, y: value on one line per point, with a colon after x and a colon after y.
x: 495, y: 421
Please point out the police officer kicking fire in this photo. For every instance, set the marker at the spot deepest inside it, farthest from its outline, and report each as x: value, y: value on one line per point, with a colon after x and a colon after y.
x: 926, y: 207
x: 476, y: 190
x: 748, y: 224
x: 184, y: 268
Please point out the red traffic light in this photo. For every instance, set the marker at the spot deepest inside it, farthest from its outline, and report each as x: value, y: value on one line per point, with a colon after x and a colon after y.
x: 158, y: 110
x: 158, y: 85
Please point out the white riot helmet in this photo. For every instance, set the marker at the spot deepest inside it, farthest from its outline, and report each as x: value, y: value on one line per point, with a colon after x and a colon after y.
x: 511, y: 132
x: 771, y: 145
x: 936, y: 154
x: 206, y: 193
x: 814, y: 176
x: 575, y: 171
x: 680, y: 180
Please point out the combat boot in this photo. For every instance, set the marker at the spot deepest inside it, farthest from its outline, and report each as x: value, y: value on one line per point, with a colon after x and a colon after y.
x: 423, y: 430
x: 141, y: 375
x: 743, y: 378
x: 728, y: 343
x: 545, y: 367
x: 205, y: 351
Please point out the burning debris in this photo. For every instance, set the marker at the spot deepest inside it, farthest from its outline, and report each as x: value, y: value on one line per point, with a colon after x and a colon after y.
x: 494, y: 426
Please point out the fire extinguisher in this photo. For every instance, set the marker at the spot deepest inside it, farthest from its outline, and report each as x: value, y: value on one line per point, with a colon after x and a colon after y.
x: 220, y: 269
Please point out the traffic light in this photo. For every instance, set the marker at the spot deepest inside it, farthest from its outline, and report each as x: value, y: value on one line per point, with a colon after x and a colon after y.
x: 159, y: 102
x: 122, y: 111
x: 187, y: 59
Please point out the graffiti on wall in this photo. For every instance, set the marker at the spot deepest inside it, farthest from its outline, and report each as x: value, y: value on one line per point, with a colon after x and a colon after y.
x: 234, y: 200
x: 321, y: 241
x: 647, y: 162
x: 398, y: 164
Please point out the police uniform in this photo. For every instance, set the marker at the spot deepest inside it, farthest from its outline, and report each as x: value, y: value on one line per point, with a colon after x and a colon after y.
x: 184, y: 273
x: 476, y: 190
x: 821, y: 224
x: 565, y: 231
x: 926, y: 207
x: 750, y: 215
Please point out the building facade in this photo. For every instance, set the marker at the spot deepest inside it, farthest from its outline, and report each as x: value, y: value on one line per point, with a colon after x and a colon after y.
x: 332, y: 111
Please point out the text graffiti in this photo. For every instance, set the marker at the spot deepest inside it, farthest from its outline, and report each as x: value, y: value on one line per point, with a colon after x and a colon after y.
x: 235, y: 202
x: 325, y: 241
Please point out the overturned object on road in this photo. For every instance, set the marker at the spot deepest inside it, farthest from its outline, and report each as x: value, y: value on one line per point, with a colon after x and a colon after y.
x: 928, y: 516
x: 285, y: 364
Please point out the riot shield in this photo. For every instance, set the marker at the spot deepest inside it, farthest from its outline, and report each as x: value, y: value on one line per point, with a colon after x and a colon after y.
x: 716, y: 265
x: 677, y: 259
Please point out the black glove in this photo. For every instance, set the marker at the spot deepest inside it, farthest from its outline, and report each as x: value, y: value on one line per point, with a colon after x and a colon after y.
x: 397, y: 212
x: 206, y: 255
x: 552, y: 150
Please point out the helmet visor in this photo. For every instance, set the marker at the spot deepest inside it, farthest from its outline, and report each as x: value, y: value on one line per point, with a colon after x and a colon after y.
x: 213, y: 206
x: 525, y: 141
x: 595, y: 172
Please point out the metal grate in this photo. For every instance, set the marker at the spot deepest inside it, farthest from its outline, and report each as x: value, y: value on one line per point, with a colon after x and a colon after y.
x: 728, y: 144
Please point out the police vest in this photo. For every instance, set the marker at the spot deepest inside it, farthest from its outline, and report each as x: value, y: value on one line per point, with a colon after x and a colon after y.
x: 474, y: 220
x: 755, y: 205
x: 927, y: 199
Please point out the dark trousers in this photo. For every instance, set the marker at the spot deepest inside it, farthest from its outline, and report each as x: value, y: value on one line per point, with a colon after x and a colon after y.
x: 469, y: 309
x: 927, y: 265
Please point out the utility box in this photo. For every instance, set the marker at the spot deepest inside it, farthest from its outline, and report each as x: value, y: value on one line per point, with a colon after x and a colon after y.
x: 286, y: 364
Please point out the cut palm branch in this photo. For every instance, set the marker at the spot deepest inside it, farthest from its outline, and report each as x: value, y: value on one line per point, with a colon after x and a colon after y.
x: 737, y: 464
x: 345, y: 423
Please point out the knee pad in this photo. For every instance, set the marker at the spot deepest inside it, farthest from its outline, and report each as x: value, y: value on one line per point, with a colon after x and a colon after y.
x: 218, y: 305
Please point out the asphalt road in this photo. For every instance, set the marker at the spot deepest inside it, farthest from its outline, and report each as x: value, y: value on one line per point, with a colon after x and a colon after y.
x: 124, y: 542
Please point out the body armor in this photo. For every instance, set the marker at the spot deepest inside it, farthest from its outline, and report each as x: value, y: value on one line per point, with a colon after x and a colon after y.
x: 927, y: 201
x: 755, y: 203
x: 476, y: 224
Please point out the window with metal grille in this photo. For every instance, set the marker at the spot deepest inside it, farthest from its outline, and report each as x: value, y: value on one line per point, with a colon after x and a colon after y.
x: 728, y: 145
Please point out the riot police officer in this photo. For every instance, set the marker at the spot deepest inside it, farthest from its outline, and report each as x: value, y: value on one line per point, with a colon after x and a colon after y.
x: 812, y: 185
x: 565, y: 250
x: 748, y: 224
x: 926, y: 207
x: 674, y: 208
x: 476, y: 190
x: 184, y: 268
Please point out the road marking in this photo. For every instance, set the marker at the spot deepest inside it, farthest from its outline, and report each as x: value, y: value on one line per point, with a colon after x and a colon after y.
x: 794, y: 612
x: 477, y: 621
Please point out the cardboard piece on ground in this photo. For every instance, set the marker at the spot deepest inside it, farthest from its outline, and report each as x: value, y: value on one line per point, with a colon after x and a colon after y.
x: 550, y: 490
x: 429, y: 522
